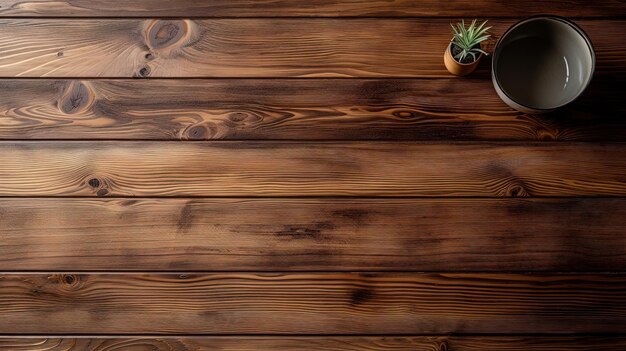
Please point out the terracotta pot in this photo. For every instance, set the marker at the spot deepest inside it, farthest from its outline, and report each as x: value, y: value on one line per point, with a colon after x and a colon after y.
x: 457, y: 68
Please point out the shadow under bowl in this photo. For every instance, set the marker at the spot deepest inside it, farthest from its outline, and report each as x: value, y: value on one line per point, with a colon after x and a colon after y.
x: 542, y: 63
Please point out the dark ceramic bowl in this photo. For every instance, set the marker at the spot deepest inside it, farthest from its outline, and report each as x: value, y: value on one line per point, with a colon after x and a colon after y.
x: 542, y: 63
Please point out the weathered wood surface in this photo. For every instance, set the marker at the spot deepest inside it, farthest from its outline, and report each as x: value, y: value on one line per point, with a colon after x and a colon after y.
x: 253, y: 47
x: 297, y: 343
x: 311, y: 303
x: 309, y: 8
x: 271, y: 261
x: 312, y: 109
x: 313, y: 234
x: 312, y: 169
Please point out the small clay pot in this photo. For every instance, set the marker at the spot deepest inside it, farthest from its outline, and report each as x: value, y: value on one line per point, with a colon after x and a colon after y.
x: 457, y: 68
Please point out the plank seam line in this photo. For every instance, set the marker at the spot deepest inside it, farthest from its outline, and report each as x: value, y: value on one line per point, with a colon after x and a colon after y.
x: 347, y: 142
x: 272, y: 335
x: 313, y: 197
x: 233, y: 77
x: 323, y: 272
x: 292, y: 17
x: 520, y: 142
x: 446, y: 78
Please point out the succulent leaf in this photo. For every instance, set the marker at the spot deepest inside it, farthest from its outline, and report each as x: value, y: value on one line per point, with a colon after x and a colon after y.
x: 467, y: 38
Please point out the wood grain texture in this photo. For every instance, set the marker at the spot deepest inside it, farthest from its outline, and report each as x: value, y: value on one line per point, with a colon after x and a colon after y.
x: 295, y: 343
x: 311, y: 303
x: 312, y: 169
x: 332, y: 8
x: 296, y: 109
x: 313, y: 234
x: 253, y: 47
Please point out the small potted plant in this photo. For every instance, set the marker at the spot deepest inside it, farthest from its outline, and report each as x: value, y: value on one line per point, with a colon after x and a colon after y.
x: 464, y: 52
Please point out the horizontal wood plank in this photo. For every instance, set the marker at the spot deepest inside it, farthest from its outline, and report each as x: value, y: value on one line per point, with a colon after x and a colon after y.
x: 313, y: 109
x: 297, y: 343
x: 313, y: 234
x: 310, y: 169
x: 311, y: 303
x: 309, y: 8
x: 253, y: 47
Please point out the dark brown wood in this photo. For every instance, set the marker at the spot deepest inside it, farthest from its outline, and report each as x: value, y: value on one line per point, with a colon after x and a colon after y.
x: 249, y: 209
x: 253, y: 47
x: 311, y: 303
x: 313, y: 234
x: 313, y: 109
x: 297, y: 343
x: 311, y: 169
x: 341, y: 8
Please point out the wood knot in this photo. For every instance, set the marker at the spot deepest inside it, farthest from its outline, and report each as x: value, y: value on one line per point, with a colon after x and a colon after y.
x: 98, y: 186
x: 166, y: 33
x: 94, y: 182
x: 143, y: 72
x: 60, y: 54
x: 200, y: 131
x: 405, y: 114
x: 78, y: 97
x: 242, y: 118
x: 238, y: 117
x: 361, y: 295
x: 517, y: 191
x: 65, y: 281
x: 508, y: 184
x: 69, y: 279
x: 149, y: 56
x: 197, y: 133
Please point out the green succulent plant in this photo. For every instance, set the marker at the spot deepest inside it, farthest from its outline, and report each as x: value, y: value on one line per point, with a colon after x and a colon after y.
x: 468, y: 40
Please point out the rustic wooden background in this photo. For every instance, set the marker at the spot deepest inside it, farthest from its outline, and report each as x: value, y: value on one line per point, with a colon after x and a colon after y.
x: 301, y: 175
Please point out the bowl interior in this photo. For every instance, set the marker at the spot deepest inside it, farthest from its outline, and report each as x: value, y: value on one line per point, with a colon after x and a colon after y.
x: 543, y: 63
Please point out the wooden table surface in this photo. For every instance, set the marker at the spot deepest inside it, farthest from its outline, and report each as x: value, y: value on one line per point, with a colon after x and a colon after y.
x: 301, y: 175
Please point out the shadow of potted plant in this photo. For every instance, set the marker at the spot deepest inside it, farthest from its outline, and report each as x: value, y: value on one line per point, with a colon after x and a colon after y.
x: 464, y: 51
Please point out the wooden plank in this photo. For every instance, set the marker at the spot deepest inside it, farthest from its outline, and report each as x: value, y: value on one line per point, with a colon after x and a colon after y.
x: 311, y: 303
x: 313, y: 234
x: 333, y: 8
x: 310, y: 169
x: 330, y: 343
x: 252, y: 47
x: 313, y: 109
